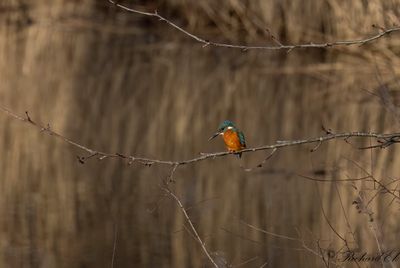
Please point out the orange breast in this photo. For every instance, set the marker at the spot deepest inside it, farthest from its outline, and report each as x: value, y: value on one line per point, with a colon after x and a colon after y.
x: 232, y: 141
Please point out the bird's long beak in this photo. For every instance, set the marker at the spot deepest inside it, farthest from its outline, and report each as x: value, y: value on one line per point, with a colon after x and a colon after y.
x: 213, y: 136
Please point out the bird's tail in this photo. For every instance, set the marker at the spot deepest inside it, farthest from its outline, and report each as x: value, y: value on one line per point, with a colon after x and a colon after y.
x: 239, y: 155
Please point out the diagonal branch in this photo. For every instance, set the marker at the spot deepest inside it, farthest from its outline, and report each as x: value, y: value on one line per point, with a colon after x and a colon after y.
x: 384, y: 140
x: 278, y: 46
x: 195, y: 233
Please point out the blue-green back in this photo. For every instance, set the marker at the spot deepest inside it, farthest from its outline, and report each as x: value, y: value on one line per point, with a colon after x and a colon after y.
x: 242, y: 139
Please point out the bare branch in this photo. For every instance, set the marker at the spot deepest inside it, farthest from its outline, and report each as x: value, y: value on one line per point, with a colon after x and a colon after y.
x: 195, y: 233
x: 388, y: 139
x: 278, y: 45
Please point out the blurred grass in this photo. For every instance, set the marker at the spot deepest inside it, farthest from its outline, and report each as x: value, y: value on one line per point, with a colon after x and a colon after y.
x: 119, y: 82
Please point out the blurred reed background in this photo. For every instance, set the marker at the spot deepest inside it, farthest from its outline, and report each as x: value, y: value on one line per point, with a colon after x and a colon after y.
x: 121, y: 82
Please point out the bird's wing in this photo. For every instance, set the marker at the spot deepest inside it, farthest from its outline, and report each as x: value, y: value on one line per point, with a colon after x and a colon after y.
x: 242, y: 139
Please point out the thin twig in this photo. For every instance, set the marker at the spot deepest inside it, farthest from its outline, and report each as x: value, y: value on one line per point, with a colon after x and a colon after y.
x: 115, y: 246
x: 335, y: 180
x: 245, y: 262
x: 263, y: 162
x: 270, y: 233
x: 345, y: 215
x: 322, y: 253
x: 189, y: 221
x: 242, y: 237
x: 347, y: 221
x: 326, y: 217
x: 304, y: 245
x: 300, y: 240
x: 278, y: 45
x: 393, y: 193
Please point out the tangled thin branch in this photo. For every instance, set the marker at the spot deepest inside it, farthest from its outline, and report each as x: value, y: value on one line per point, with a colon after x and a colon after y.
x: 278, y: 45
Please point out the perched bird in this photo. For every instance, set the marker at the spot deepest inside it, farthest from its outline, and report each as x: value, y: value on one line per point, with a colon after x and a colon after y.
x: 233, y: 137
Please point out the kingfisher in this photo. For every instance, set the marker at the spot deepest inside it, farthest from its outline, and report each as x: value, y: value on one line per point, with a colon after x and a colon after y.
x: 233, y: 137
